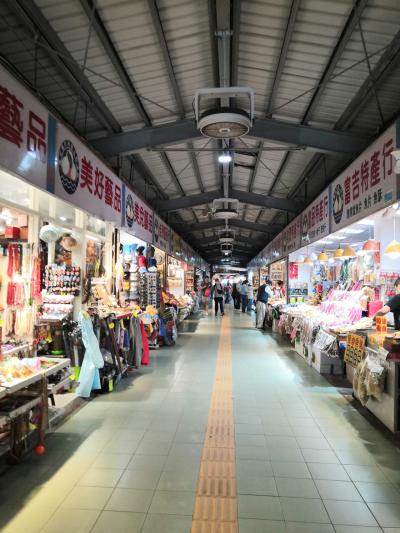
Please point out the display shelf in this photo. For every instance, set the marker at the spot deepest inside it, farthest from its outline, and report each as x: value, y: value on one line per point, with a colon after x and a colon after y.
x: 16, y: 349
x: 23, y: 383
x: 56, y: 387
x: 60, y: 365
x: 23, y: 408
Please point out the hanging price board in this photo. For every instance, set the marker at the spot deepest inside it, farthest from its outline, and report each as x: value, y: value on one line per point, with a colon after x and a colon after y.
x: 354, y: 349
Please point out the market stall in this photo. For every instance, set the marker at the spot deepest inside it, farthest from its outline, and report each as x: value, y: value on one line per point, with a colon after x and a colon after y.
x: 343, y: 254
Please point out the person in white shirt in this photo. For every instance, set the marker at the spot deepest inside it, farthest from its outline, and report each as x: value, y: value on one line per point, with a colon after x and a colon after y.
x: 264, y: 292
x: 250, y: 296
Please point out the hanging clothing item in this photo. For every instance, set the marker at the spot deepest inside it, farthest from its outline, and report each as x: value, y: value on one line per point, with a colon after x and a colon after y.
x: 89, y: 378
x: 146, y: 352
x: 136, y: 349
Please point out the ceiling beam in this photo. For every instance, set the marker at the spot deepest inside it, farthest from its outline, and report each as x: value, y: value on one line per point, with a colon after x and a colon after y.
x: 316, y: 139
x: 155, y: 15
x: 347, y: 32
x: 383, y: 68
x: 108, y: 45
x: 243, y: 241
x: 244, y: 197
x: 386, y: 65
x: 33, y: 20
x: 341, y: 44
x: 284, y: 50
x: 267, y: 229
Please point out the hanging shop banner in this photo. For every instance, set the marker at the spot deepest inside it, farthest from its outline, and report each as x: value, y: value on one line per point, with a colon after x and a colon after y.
x: 367, y: 185
x: 26, y: 132
x: 84, y: 180
x: 291, y: 236
x: 176, y: 245
x: 315, y: 219
x: 277, y: 247
x: 137, y: 216
x: 354, y: 349
x: 161, y: 236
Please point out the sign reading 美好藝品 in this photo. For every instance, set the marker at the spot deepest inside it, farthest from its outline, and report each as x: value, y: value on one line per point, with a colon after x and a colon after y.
x: 84, y: 180
x: 367, y: 185
x: 137, y: 216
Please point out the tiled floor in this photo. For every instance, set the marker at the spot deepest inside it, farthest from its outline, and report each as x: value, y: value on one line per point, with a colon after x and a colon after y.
x: 128, y: 462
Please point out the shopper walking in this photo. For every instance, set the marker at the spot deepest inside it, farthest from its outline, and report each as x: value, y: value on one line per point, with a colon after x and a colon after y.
x: 205, y: 294
x: 264, y: 292
x: 250, y: 296
x: 228, y: 293
x: 236, y: 296
x: 218, y: 294
x: 243, y: 295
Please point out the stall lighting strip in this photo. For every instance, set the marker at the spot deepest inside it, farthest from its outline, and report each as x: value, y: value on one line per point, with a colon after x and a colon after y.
x: 215, y: 508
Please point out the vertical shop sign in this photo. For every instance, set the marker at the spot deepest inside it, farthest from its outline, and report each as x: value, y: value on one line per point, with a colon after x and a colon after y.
x: 367, y: 185
x: 277, y: 247
x: 161, y: 235
x: 24, y: 131
x: 176, y: 244
x: 137, y: 216
x: 291, y: 236
x: 83, y: 180
x: 315, y: 219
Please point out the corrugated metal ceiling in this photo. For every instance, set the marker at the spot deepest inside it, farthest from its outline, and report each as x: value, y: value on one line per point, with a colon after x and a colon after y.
x: 283, y: 49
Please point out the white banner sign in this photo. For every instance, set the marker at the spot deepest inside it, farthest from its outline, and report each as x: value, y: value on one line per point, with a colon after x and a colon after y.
x: 84, y: 180
x: 291, y: 236
x: 162, y: 236
x: 315, y: 219
x: 138, y: 217
x: 24, y: 132
x: 367, y: 185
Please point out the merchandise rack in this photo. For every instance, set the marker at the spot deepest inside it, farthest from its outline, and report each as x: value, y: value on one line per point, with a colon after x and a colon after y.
x: 27, y: 395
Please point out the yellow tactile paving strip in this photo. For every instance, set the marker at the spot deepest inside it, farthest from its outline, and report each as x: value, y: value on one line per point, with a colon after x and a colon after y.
x: 215, y: 508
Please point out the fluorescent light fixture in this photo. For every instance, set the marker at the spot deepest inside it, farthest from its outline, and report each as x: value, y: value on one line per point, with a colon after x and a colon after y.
x: 325, y: 242
x: 337, y: 237
x: 366, y: 222
x: 395, y: 206
x: 351, y: 231
x: 63, y: 218
x: 224, y: 158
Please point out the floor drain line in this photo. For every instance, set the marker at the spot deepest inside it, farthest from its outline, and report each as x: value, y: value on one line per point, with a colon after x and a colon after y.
x: 215, y: 508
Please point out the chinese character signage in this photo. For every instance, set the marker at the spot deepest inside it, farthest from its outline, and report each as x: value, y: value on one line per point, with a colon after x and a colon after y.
x: 24, y: 132
x: 354, y: 349
x: 138, y: 217
x: 291, y: 236
x: 367, y: 185
x: 315, y: 219
x: 84, y: 180
x: 176, y: 244
x: 161, y: 236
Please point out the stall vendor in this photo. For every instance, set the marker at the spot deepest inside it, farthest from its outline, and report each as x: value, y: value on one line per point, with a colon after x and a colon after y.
x: 393, y: 305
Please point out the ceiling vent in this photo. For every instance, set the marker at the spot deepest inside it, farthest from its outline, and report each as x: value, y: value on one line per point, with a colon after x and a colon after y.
x: 224, y: 121
x: 225, y: 208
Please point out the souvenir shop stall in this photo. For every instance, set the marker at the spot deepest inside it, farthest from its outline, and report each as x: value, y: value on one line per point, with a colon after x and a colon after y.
x: 64, y: 326
x: 347, y: 259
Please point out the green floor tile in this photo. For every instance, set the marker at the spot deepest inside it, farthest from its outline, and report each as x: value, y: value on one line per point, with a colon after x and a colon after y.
x: 130, y: 500
x: 296, y: 488
x: 304, y: 510
x: 162, y: 523
x: 119, y: 522
x: 172, y: 502
x: 139, y: 479
x: 248, y: 525
x: 76, y: 520
x: 259, y: 507
x: 349, y: 513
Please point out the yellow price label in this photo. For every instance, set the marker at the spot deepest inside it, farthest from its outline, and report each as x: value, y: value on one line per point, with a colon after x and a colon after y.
x: 111, y: 325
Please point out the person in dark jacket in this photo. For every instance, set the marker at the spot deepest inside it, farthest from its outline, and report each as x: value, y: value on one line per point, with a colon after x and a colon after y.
x: 264, y: 292
x: 236, y: 296
x: 218, y: 295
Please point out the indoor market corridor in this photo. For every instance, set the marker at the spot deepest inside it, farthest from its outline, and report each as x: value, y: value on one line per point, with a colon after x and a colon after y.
x: 158, y: 454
